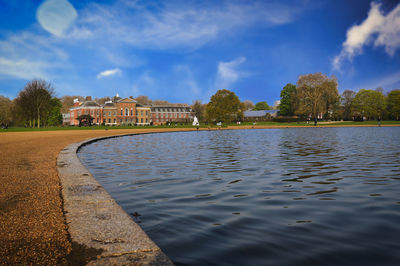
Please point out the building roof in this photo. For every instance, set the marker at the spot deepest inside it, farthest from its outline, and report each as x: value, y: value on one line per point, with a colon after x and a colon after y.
x: 90, y: 104
x: 259, y: 113
x: 126, y: 100
x: 109, y: 105
x: 170, y: 105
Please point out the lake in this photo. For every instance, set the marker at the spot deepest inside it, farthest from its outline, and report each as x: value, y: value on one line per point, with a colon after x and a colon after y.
x: 295, y: 196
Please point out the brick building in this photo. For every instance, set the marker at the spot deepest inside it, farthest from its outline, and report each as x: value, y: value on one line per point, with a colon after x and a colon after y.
x: 85, y: 108
x: 173, y: 113
x: 126, y: 111
x: 143, y: 115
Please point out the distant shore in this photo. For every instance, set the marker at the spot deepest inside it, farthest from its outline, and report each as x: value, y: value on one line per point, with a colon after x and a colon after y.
x: 32, y: 223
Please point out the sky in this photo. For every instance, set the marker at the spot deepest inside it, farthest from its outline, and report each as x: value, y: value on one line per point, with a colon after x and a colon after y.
x: 181, y: 51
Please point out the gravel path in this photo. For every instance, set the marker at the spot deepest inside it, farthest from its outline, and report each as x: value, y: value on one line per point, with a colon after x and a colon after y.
x: 32, y: 224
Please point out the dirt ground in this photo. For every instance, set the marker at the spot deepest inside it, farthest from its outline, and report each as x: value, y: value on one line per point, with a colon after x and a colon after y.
x: 32, y: 225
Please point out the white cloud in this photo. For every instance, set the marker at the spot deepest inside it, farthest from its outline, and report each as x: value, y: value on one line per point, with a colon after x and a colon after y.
x: 184, y: 24
x: 228, y: 73
x: 56, y: 16
x: 23, y: 69
x: 377, y: 28
x: 108, y: 73
x: 26, y: 56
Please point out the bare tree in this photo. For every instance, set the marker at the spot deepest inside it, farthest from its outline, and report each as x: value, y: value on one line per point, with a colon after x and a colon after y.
x: 5, y: 110
x: 34, y: 101
x: 143, y: 100
x: 248, y: 105
x: 199, y: 110
x: 346, y: 101
x: 102, y: 100
x: 68, y: 101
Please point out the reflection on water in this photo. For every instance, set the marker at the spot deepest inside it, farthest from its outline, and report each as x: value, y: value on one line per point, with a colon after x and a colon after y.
x: 260, y: 197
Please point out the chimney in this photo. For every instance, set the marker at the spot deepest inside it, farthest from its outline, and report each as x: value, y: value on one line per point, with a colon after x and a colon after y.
x: 88, y: 98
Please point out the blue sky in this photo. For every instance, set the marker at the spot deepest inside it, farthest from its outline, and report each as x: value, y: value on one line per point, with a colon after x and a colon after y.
x: 181, y: 51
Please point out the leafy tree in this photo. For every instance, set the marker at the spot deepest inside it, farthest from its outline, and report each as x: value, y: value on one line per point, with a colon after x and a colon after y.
x: 5, y: 111
x: 33, y: 102
x: 393, y: 104
x: 369, y: 104
x: 316, y: 94
x: 346, y: 101
x: 262, y: 106
x: 199, y: 110
x: 248, y: 105
x: 287, y: 97
x: 224, y: 106
x: 54, y: 116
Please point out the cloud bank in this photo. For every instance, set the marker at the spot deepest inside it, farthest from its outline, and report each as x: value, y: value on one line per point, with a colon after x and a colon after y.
x: 108, y: 73
x: 377, y: 29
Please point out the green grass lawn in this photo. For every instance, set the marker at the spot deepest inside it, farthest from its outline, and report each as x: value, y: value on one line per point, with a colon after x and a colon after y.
x: 288, y: 124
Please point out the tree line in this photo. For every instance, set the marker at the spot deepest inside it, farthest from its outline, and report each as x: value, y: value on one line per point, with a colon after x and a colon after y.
x: 316, y: 95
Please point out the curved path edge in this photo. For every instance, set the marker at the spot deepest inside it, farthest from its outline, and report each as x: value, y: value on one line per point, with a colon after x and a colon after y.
x: 96, y: 222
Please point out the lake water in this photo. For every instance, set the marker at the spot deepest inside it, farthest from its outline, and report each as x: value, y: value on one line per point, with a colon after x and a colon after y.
x: 297, y: 196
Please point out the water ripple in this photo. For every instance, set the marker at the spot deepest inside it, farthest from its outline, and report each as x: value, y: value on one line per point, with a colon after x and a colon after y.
x: 323, y: 196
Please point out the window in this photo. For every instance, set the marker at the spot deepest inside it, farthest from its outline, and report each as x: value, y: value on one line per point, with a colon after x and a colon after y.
x: 121, y: 112
x: 147, y: 113
x: 126, y: 111
x: 115, y: 120
x: 109, y: 113
x: 131, y: 111
x: 141, y: 113
x: 109, y: 120
x: 97, y: 112
x: 136, y: 113
x: 141, y: 120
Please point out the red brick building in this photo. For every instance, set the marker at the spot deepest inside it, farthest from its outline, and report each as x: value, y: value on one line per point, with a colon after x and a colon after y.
x: 172, y: 113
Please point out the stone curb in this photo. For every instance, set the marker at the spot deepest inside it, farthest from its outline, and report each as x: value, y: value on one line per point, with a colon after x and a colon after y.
x: 96, y: 221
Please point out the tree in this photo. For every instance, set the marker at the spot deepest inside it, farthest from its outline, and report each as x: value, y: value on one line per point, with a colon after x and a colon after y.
x: 315, y: 94
x: 262, y: 106
x: 54, y: 116
x: 393, y: 104
x: 287, y: 98
x: 224, y: 106
x: 5, y: 111
x: 346, y: 101
x: 143, y: 100
x: 102, y: 100
x: 248, y: 105
x: 33, y: 101
x: 369, y: 104
x: 68, y: 101
x: 85, y: 120
x: 199, y: 110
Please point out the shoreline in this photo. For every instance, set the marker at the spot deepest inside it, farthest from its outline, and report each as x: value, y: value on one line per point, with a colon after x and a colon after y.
x: 33, y: 228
